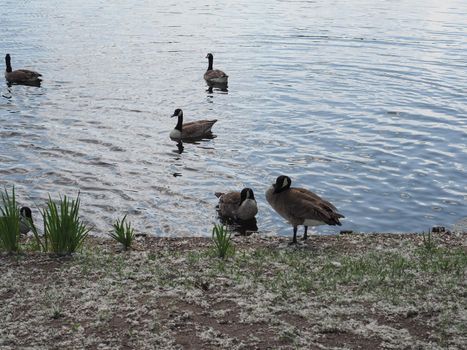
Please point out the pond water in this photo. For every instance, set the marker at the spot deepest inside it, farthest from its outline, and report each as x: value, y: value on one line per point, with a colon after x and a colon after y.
x: 364, y: 102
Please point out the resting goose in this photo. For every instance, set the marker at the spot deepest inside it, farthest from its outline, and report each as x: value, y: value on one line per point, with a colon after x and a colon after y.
x: 238, y: 205
x: 20, y: 76
x: 300, y: 206
x: 25, y: 215
x: 214, y: 76
x: 193, y: 130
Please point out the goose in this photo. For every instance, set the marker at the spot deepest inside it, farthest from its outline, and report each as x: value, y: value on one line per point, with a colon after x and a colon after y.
x: 300, y: 206
x: 25, y: 215
x: 214, y: 76
x: 192, y: 130
x: 20, y: 76
x: 238, y: 205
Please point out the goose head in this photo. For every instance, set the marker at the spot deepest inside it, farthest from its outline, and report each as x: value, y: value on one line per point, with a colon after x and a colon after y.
x: 178, y: 128
x: 247, y: 193
x: 283, y: 183
x: 25, y: 212
x: 177, y: 113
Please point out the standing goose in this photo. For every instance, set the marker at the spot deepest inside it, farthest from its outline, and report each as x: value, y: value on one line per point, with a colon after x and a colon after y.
x: 300, y: 206
x: 193, y: 130
x: 214, y: 76
x: 20, y: 76
x: 238, y: 205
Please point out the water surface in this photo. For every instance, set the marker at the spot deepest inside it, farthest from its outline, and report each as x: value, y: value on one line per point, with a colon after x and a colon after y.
x: 362, y: 101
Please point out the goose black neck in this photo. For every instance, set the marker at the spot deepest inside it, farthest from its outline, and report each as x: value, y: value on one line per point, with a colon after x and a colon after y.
x: 179, y: 123
x: 211, y: 59
x: 8, y: 63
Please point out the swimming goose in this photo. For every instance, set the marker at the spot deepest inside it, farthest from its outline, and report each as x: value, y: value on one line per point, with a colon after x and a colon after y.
x: 214, y: 76
x: 192, y: 130
x: 300, y: 206
x: 20, y: 76
x: 238, y: 205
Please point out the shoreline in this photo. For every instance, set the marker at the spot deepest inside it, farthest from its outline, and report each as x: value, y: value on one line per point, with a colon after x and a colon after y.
x: 352, y: 291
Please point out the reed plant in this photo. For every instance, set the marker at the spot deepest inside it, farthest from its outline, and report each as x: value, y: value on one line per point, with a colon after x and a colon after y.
x: 429, y: 244
x: 9, y: 222
x: 123, y: 233
x: 222, y: 241
x: 64, y: 232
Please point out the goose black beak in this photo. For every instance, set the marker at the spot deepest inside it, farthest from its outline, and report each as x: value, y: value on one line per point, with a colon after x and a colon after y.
x: 173, y: 116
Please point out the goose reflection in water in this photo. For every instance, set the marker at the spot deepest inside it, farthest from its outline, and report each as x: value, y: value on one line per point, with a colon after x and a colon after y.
x: 29, y: 83
x: 180, y: 147
x: 241, y: 227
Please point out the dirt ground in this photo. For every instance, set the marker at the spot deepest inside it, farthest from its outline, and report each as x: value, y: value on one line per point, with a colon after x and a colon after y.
x: 374, y: 291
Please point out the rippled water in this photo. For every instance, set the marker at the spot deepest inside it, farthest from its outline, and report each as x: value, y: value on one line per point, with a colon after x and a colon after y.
x: 361, y: 101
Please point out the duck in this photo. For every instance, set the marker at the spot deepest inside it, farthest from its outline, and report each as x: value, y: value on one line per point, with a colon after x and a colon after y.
x: 20, y: 76
x: 237, y: 205
x: 300, y: 206
x: 192, y: 130
x: 214, y: 76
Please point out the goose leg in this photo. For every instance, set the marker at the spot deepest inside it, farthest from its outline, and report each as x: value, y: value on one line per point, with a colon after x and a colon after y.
x: 294, y: 239
x: 305, y: 235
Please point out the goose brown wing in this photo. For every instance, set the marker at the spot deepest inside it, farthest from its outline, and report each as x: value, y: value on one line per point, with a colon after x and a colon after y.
x: 308, y: 205
x: 231, y: 197
x: 28, y: 74
x: 314, y: 196
x: 198, y: 128
x: 229, y: 203
x: 214, y: 74
x: 200, y: 122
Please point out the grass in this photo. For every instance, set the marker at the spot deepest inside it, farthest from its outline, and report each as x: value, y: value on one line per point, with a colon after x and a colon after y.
x: 9, y: 222
x: 123, y: 233
x: 64, y: 232
x: 222, y: 238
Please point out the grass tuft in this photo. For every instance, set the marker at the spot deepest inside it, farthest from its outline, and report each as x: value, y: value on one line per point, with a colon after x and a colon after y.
x: 123, y: 233
x: 9, y: 222
x: 64, y: 232
x: 222, y: 241
x: 428, y: 242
